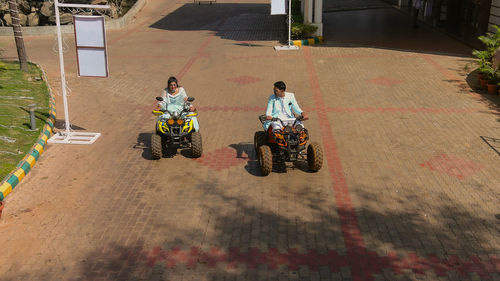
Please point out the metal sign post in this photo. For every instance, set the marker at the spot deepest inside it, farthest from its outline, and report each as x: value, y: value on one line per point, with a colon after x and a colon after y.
x: 69, y: 137
x: 289, y: 46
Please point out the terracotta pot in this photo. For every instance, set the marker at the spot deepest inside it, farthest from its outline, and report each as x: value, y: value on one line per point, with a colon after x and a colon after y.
x: 1, y: 208
x: 492, y: 89
x: 480, y: 75
x: 484, y: 84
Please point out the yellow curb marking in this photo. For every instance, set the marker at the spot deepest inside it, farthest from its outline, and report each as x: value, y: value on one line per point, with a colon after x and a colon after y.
x: 31, y: 160
x: 19, y: 174
x: 5, y: 189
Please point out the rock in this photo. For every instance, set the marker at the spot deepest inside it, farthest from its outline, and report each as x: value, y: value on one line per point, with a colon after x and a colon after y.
x: 33, y: 19
x: 7, y: 19
x: 64, y: 18
x: 99, y: 2
x: 113, y: 11
x: 23, y: 6
x: 4, y: 6
x: 47, y: 9
x: 23, y: 19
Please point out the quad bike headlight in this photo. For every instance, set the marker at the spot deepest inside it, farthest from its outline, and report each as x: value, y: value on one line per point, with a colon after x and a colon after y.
x: 180, y: 121
x: 288, y: 129
x: 170, y: 121
x: 299, y: 128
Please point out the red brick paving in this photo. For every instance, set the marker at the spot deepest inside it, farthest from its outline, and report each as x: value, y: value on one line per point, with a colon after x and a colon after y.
x: 385, y: 81
x: 355, y: 219
x: 293, y: 260
x: 222, y: 158
x: 452, y: 166
x: 245, y: 79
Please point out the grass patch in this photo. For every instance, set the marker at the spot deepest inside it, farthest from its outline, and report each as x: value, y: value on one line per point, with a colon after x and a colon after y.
x: 17, y: 90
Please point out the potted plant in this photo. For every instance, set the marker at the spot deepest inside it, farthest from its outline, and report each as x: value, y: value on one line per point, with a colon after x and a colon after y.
x: 488, y: 75
x: 482, y: 58
x: 493, y: 83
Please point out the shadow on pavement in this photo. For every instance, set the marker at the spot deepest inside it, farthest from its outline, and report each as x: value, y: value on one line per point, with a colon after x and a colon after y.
x: 239, y: 240
x: 387, y: 28
x: 240, y: 22
x: 59, y: 124
x: 144, y: 143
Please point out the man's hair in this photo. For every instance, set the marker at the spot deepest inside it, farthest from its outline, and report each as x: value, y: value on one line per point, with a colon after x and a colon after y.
x: 280, y: 85
x: 172, y: 79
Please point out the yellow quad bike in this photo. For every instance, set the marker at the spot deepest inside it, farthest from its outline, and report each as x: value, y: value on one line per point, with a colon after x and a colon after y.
x: 175, y: 129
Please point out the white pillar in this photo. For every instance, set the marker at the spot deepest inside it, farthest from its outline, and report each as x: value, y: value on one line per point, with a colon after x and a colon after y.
x: 318, y: 11
x: 318, y: 17
x: 308, y: 11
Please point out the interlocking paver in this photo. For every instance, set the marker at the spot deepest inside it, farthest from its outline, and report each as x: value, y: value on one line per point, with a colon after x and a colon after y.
x: 107, y: 211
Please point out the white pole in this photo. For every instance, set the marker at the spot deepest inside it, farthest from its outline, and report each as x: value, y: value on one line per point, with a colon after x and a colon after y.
x: 61, y: 65
x: 289, y: 23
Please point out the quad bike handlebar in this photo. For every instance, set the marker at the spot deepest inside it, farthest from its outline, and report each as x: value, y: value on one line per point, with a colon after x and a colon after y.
x: 263, y: 118
x: 187, y: 106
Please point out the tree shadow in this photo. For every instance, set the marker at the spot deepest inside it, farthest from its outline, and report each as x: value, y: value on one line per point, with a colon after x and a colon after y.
x: 246, y: 236
x: 246, y: 240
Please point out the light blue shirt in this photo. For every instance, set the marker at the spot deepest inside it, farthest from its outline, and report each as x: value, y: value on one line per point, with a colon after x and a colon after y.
x: 285, y: 106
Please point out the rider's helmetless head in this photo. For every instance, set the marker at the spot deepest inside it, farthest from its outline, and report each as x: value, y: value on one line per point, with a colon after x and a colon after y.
x: 172, y: 84
x: 279, y: 89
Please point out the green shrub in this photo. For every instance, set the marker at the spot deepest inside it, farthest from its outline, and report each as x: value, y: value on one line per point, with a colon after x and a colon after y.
x: 484, y: 57
x: 301, y: 30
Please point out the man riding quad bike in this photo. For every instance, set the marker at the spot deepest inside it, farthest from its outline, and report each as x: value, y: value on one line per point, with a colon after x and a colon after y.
x: 286, y: 144
x: 284, y: 137
x: 176, y: 127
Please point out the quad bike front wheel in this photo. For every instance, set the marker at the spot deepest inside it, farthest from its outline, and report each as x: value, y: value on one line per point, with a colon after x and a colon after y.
x: 156, y: 146
x: 196, y: 145
x: 258, y: 140
x: 265, y: 160
x: 314, y: 157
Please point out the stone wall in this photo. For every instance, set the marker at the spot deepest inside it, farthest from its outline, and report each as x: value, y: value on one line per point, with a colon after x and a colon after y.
x: 41, y: 13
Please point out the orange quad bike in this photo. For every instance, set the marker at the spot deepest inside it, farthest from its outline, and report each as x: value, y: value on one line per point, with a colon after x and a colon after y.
x: 287, y: 144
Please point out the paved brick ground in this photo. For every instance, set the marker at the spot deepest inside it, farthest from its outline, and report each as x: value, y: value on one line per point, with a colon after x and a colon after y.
x: 409, y: 189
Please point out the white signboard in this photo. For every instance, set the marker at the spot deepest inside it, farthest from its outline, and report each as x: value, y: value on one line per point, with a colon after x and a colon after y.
x: 278, y: 7
x: 90, y: 40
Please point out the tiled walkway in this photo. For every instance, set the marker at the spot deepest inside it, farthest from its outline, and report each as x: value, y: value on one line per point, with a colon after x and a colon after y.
x: 408, y: 191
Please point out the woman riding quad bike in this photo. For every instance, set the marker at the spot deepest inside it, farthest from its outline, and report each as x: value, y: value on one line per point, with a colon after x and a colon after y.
x: 176, y: 127
x: 286, y: 144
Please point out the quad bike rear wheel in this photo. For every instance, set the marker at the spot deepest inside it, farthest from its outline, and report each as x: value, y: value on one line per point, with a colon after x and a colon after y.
x: 265, y: 160
x: 196, y: 145
x: 314, y: 157
x: 156, y: 144
x: 258, y: 140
